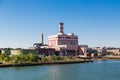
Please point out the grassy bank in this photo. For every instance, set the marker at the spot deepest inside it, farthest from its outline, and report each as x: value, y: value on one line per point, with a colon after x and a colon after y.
x: 44, y: 63
x: 34, y: 59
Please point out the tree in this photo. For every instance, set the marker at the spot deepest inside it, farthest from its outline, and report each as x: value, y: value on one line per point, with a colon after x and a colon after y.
x: 23, y: 58
x: 15, y: 58
x: 32, y: 57
x: 4, y: 58
x: 44, y: 59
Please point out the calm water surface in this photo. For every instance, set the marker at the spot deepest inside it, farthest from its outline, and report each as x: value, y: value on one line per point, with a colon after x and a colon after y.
x: 99, y: 70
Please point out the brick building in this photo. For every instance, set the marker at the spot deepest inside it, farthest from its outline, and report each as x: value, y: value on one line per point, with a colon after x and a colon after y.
x: 65, y: 43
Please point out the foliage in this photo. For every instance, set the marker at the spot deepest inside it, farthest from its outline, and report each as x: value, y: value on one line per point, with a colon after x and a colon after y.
x: 44, y: 59
x: 30, y: 57
x: 58, y: 58
x: 4, y: 57
x: 15, y: 58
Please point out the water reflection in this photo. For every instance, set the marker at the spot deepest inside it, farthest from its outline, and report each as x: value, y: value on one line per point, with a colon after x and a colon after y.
x: 99, y: 70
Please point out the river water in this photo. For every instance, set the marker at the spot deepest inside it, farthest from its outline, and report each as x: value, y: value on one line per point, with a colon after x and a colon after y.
x: 98, y: 70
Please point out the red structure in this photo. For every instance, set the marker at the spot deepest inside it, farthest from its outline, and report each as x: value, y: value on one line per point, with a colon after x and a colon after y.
x: 64, y: 43
x: 61, y: 44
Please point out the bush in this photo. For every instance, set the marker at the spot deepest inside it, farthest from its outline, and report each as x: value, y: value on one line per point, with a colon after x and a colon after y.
x: 44, y: 59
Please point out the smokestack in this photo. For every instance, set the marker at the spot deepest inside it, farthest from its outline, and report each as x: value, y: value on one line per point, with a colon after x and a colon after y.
x: 42, y: 39
x: 61, y: 27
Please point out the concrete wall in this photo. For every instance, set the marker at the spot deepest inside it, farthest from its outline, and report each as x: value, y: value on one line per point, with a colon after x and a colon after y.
x: 23, y: 51
x: 16, y: 52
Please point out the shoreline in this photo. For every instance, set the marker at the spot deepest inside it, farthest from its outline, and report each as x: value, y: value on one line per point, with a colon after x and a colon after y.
x: 59, y: 62
x: 107, y: 58
x: 44, y: 63
x: 111, y: 57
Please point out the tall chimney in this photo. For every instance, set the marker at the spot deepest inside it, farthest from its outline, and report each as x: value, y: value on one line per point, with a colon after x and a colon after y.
x: 61, y: 27
x: 42, y: 39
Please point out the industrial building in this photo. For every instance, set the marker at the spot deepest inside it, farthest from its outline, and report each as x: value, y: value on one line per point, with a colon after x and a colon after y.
x: 61, y: 44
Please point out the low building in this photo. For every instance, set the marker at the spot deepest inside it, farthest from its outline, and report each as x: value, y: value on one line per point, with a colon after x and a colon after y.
x: 23, y: 51
x: 16, y: 52
x: 46, y: 51
x: 114, y: 51
x: 43, y: 49
x: 6, y: 51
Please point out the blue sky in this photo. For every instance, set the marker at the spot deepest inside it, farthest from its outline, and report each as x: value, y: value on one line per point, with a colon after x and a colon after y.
x: 96, y: 22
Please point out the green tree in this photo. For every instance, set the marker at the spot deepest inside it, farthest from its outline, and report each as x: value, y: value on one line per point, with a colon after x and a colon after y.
x: 6, y: 59
x: 32, y: 57
x: 2, y: 56
x: 23, y: 58
x: 15, y: 58
x: 44, y: 59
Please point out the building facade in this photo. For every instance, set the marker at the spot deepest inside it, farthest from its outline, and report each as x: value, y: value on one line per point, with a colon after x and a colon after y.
x: 67, y: 43
x: 114, y: 51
